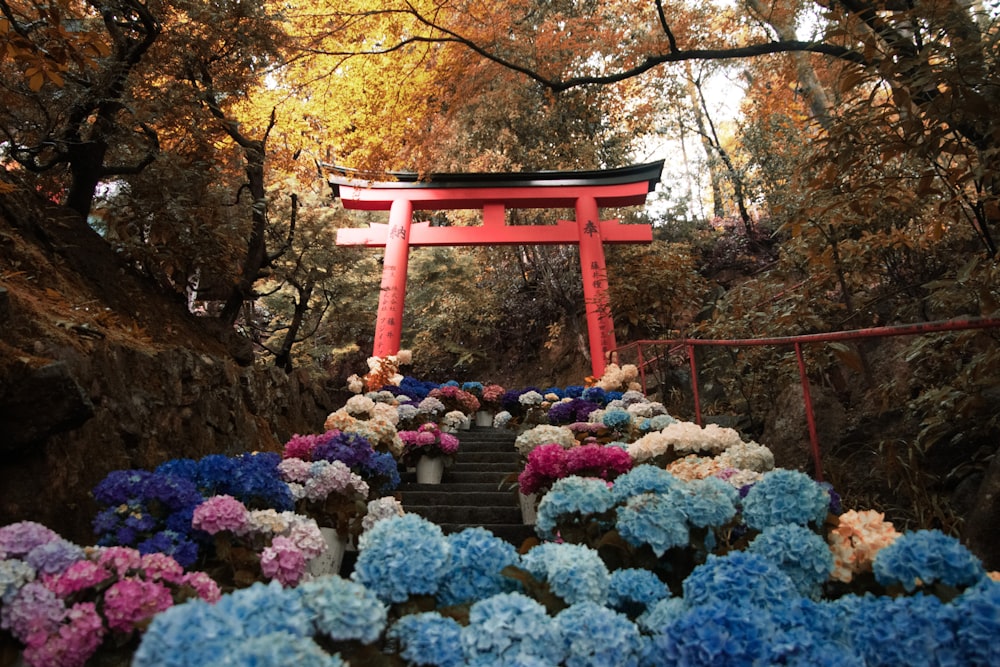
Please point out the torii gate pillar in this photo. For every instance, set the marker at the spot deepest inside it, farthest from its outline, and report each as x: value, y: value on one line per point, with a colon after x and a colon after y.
x: 392, y: 291
x: 584, y: 191
x: 600, y: 324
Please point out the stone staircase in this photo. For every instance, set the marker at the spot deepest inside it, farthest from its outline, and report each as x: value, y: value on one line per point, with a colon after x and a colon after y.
x: 472, y: 491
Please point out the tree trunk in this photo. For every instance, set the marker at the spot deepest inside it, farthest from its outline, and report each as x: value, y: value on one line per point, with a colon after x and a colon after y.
x: 283, y: 359
x: 256, y: 257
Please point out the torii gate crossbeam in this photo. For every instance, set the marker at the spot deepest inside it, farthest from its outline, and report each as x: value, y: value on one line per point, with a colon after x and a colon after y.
x: 584, y: 191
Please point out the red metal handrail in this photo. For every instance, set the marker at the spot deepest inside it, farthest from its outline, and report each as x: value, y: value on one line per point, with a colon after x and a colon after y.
x: 796, y: 342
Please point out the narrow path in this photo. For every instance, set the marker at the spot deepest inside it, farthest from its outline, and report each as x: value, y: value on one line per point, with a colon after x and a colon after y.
x: 473, y: 491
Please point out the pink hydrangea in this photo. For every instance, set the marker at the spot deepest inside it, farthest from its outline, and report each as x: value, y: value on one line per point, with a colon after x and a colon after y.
x: 492, y: 393
x: 78, y: 576
x: 120, y: 560
x: 546, y: 464
x: 425, y: 438
x: 294, y: 469
x: 307, y: 538
x: 283, y: 561
x: 220, y: 513
x: 131, y: 601
x: 301, y: 446
x: 161, y: 567
x: 448, y: 443
x: 204, y: 586
x: 598, y: 461
x: 76, y: 640
x: 328, y: 477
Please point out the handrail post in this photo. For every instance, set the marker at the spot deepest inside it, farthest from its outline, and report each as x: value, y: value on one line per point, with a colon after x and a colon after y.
x: 694, y: 385
x: 642, y: 367
x: 810, y: 418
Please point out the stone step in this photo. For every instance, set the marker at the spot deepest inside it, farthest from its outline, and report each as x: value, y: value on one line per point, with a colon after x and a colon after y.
x: 491, y: 498
x: 467, y: 515
x: 511, y: 457
x: 459, y: 487
x: 476, y: 490
x: 485, y: 447
x: 460, y: 465
x: 464, y: 477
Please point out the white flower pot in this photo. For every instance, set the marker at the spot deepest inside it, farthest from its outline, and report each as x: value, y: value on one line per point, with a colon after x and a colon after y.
x: 484, y: 418
x: 329, y: 561
x: 529, y: 508
x: 430, y: 469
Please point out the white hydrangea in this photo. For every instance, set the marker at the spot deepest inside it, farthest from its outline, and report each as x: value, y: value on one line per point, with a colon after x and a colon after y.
x: 748, y: 456
x: 381, y: 508
x: 530, y: 398
x: 544, y: 434
x: 431, y: 405
x: 387, y: 412
x: 453, y: 419
x: 630, y: 397
x: 649, y: 446
x: 359, y: 406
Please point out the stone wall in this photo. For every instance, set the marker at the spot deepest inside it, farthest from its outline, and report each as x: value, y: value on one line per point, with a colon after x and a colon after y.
x: 144, y: 408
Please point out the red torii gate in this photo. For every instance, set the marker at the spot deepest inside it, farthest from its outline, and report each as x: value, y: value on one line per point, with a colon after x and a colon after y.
x: 493, y: 194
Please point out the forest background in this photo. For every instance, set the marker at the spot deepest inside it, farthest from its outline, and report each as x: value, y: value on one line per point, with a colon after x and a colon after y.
x: 168, y: 232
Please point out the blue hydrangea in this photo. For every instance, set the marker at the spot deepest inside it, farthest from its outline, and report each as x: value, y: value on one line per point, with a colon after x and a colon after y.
x: 979, y: 611
x: 14, y: 573
x: 477, y: 558
x: 785, y: 496
x: 595, y: 636
x: 429, y: 639
x: 656, y: 423
x: 740, y: 578
x: 594, y: 395
x: 474, y: 388
x: 656, y: 519
x: 709, y: 502
x: 510, y: 629
x: 617, y: 420
x: 568, y: 412
x: 574, y: 391
x: 173, y: 543
x: 54, y: 557
x: 381, y: 470
x: 721, y: 633
x: 569, y: 497
x: 799, y: 552
x: 661, y: 614
x: 643, y: 479
x: 632, y: 591
x: 927, y: 556
x: 344, y: 610
x: 402, y: 556
x: 574, y: 572
x: 808, y: 633
x: 192, y: 634
x: 279, y: 649
x: 917, y: 631
x: 265, y: 608
x: 412, y: 387
x: 197, y: 633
